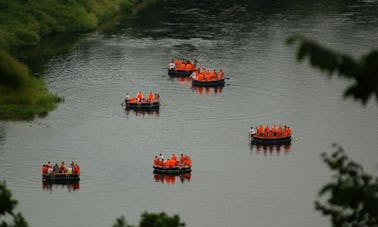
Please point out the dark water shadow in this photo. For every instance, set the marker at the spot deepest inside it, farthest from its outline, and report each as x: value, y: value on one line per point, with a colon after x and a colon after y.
x: 37, y: 57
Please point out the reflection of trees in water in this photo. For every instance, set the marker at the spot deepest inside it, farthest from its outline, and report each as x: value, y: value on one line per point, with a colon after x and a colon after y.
x: 2, y: 134
x: 171, y: 179
x: 37, y: 57
x: 47, y: 186
x: 270, y: 149
x: 208, y: 19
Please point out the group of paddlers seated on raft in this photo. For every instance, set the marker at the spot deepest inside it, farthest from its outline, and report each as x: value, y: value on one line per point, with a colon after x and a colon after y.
x: 207, y: 75
x: 139, y: 98
x: 271, y: 132
x: 183, y: 65
x: 73, y: 168
x: 183, y: 161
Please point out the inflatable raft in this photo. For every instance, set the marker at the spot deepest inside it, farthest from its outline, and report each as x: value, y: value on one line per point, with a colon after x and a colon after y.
x: 172, y: 170
x: 255, y: 139
x: 144, y: 104
x: 181, y: 73
x: 208, y: 83
x: 60, y: 177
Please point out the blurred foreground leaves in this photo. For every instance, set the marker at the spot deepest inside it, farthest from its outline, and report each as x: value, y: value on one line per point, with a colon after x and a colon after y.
x: 353, y: 194
x: 363, y: 71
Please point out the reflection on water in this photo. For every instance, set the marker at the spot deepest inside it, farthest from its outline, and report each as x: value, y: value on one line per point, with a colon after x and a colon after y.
x: 186, y: 82
x: 142, y: 112
x: 270, y: 149
x: 48, y: 186
x: 171, y: 179
x: 207, y: 90
x: 2, y: 135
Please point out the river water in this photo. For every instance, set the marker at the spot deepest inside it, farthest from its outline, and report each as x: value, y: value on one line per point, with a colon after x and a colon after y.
x: 232, y: 183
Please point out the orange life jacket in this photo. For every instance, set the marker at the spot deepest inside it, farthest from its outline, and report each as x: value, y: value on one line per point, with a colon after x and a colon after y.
x: 177, y: 63
x: 139, y: 95
x: 150, y: 96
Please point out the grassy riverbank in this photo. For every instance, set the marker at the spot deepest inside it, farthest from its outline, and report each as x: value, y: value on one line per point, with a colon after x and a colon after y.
x: 21, y: 94
x: 25, y: 23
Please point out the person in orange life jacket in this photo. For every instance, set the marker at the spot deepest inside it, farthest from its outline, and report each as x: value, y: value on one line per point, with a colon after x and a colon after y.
x: 267, y: 128
x: 208, y: 76
x: 173, y: 157
x: 260, y: 130
x: 182, y: 66
x: 182, y: 158
x: 200, y: 76
x: 274, y: 130
x: 221, y: 74
x: 44, y: 169
x: 156, y: 160
x: 279, y: 131
x: 177, y: 64
x: 62, y: 168
x: 76, y: 169
x: 172, y: 163
x: 188, y: 66
x: 150, y: 97
x: 214, y: 75
x: 139, y: 96
x: 168, y: 163
x: 288, y: 131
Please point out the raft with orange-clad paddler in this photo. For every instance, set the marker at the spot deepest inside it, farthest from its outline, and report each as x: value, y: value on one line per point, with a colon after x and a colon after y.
x: 172, y: 165
x: 270, y: 135
x: 60, y: 173
x: 182, y: 67
x: 139, y: 102
x: 208, y: 78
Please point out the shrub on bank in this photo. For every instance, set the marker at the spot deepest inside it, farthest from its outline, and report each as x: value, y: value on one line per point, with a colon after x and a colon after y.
x: 21, y: 94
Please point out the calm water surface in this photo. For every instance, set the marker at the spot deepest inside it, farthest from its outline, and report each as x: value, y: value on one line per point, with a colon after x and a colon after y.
x: 232, y: 183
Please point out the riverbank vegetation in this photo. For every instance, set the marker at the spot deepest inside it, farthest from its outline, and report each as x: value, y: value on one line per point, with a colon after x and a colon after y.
x: 25, y: 23
x: 21, y: 94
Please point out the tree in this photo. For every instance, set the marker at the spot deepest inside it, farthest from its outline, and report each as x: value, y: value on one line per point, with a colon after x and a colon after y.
x: 7, y: 204
x: 153, y: 220
x: 363, y: 71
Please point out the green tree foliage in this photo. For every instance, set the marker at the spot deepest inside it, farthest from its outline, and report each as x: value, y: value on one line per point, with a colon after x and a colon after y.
x: 363, y: 71
x: 353, y: 194
x: 7, y: 205
x: 153, y: 220
x: 24, y: 22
